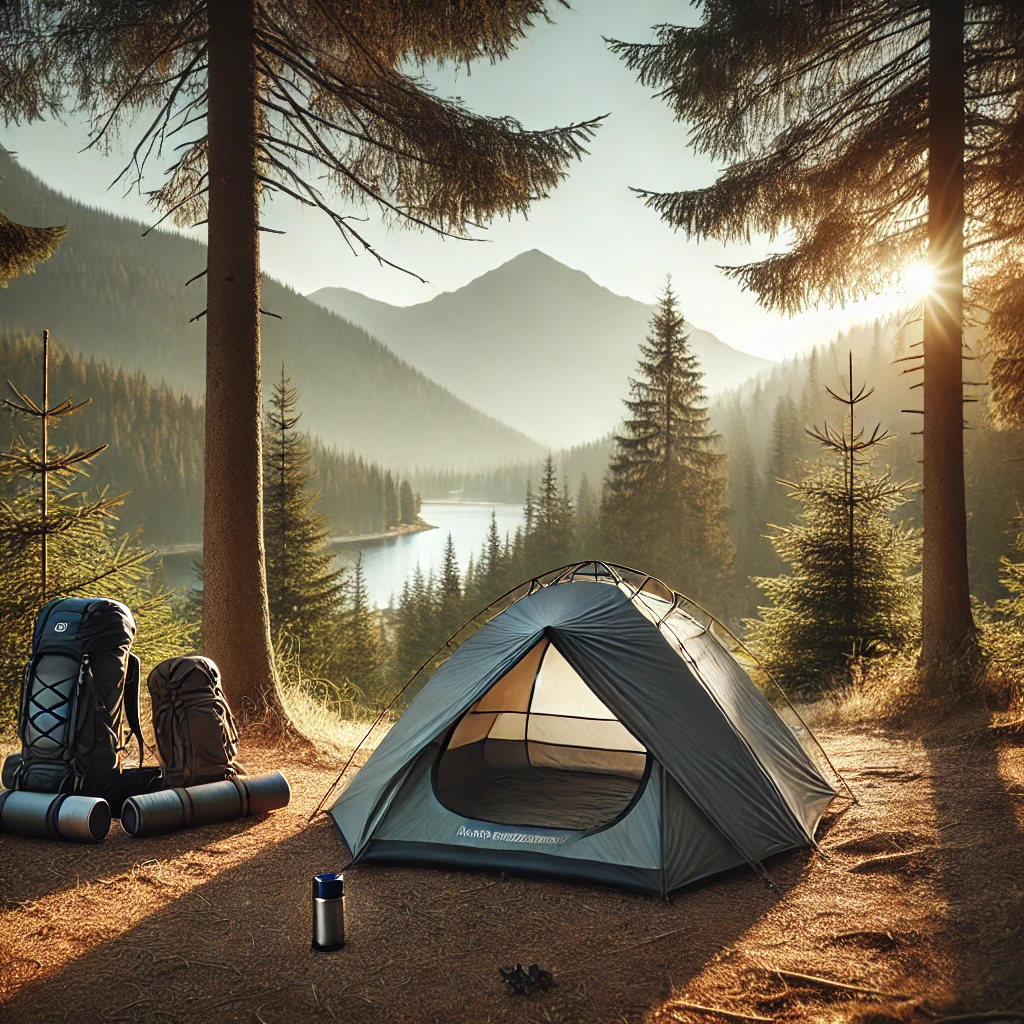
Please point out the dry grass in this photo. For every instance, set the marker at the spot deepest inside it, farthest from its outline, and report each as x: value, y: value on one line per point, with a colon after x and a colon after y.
x: 331, y: 730
x: 922, y: 897
x: 892, y: 693
x: 327, y: 716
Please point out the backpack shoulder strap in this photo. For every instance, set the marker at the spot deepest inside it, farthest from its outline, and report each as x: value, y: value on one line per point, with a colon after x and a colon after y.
x: 26, y: 680
x: 132, y: 685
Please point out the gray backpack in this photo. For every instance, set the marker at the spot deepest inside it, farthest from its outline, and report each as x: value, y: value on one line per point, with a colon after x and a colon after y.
x: 196, y: 737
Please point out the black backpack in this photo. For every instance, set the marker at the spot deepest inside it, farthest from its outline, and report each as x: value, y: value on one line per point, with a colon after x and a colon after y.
x: 79, y: 699
x: 196, y: 737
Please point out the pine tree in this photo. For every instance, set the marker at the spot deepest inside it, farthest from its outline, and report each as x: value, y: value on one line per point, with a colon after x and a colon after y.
x: 304, y: 589
x: 404, y: 627
x: 850, y: 594
x: 391, y: 514
x: 786, y: 438
x: 21, y: 247
x: 492, y: 562
x: 664, y: 499
x: 360, y: 656
x: 549, y: 539
x: 45, y: 465
x: 587, y: 507
x: 317, y: 102
x: 407, y: 504
x: 746, y: 500
x: 376, y: 489
x: 515, y: 561
x: 810, y: 399
x: 877, y: 135
x: 414, y: 625
x: 450, y: 605
x: 585, y: 504
x: 489, y: 575
x: 58, y: 542
x: 784, y: 451
x: 471, y: 585
x: 1003, y: 636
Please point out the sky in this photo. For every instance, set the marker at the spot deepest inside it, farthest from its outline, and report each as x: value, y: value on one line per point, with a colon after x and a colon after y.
x: 561, y: 73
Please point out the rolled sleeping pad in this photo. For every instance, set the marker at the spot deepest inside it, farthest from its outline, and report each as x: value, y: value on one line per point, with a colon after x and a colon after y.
x: 153, y: 814
x: 78, y: 819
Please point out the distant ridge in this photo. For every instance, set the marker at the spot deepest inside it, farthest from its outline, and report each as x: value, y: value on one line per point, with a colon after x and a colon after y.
x: 110, y: 293
x: 534, y: 343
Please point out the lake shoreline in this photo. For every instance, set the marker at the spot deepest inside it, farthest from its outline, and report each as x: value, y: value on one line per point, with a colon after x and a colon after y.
x: 390, y: 558
x: 341, y: 541
x: 370, y: 538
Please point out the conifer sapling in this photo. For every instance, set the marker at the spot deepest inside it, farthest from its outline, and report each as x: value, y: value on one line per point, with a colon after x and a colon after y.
x: 850, y: 593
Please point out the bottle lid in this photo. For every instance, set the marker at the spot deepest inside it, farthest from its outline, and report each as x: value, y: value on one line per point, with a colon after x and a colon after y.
x: 328, y: 886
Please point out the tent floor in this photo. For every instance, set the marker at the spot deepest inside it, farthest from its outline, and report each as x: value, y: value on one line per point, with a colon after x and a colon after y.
x: 542, y: 797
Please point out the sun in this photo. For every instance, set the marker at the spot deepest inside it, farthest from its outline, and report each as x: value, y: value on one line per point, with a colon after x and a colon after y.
x: 917, y: 279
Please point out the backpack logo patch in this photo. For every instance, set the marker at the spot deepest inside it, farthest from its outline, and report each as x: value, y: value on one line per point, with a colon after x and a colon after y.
x: 60, y: 627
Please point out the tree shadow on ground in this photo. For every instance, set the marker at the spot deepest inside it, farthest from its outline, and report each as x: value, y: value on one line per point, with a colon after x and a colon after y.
x: 424, y: 946
x: 32, y: 869
x: 980, y: 862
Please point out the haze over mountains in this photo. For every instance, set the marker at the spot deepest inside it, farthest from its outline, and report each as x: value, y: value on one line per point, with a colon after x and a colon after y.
x: 531, y: 356
x: 109, y: 292
x: 535, y: 344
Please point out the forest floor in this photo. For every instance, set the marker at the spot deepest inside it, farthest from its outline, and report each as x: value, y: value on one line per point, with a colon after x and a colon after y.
x: 921, y: 898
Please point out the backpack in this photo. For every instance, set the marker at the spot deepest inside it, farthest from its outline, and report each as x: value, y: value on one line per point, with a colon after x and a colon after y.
x: 79, y: 698
x: 196, y: 737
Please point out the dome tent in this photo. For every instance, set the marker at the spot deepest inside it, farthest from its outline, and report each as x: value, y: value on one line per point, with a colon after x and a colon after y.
x: 594, y: 730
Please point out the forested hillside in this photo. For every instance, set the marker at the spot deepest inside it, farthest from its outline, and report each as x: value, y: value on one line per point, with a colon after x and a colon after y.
x: 110, y: 293
x: 509, y: 482
x: 763, y: 428
x: 155, y: 439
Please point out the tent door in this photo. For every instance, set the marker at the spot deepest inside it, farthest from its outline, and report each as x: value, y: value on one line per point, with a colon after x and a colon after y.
x: 540, y: 749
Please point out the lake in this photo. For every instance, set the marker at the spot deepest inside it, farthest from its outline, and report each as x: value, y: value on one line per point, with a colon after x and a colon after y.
x: 390, y: 562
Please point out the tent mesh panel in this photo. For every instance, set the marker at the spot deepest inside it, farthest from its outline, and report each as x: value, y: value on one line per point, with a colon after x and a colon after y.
x: 539, y: 748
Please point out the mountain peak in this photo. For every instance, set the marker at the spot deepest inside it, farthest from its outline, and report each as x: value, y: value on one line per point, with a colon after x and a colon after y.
x: 536, y: 343
x: 535, y: 256
x: 533, y: 264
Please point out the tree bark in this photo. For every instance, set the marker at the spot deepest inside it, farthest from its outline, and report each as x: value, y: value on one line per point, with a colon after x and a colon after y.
x: 236, y: 620
x: 948, y: 630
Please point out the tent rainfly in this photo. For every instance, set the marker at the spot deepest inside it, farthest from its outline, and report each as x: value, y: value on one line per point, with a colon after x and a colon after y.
x: 591, y: 730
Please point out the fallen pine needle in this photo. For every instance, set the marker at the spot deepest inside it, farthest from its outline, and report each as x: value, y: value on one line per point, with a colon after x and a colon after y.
x: 1001, y: 728
x: 654, y: 938
x: 731, y: 1014
x: 885, y: 860
x: 842, y: 986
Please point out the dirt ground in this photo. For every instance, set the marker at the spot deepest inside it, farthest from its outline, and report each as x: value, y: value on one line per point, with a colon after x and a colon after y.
x: 921, y: 897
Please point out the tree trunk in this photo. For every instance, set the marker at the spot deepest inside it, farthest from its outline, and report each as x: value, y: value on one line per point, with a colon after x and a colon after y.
x: 236, y: 620
x: 948, y: 630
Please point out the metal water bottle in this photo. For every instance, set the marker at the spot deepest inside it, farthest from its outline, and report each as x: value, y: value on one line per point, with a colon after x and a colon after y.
x: 328, y: 912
